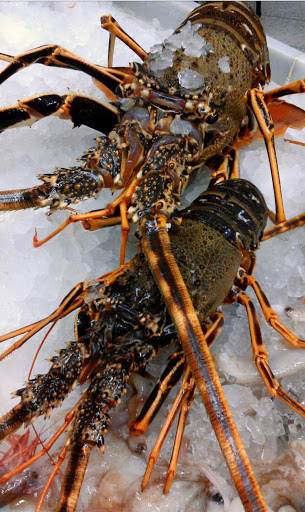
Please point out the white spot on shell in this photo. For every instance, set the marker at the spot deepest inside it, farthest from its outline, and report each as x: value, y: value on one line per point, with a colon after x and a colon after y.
x: 254, y: 198
x: 247, y: 28
x: 241, y: 217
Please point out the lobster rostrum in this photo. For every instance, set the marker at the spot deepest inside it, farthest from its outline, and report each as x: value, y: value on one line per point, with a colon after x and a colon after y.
x: 123, y: 321
x: 167, y: 131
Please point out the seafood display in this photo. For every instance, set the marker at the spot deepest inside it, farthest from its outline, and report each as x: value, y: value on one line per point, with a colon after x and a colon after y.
x: 94, y: 237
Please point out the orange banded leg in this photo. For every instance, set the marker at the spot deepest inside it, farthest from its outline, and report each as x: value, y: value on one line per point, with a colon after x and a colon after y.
x: 167, y: 381
x: 228, y: 168
x: 186, y: 388
x: 260, y: 356
x: 262, y: 105
x: 170, y: 377
x: 111, y: 25
x: 185, y: 409
x: 297, y: 142
x: 271, y: 316
x: 60, y: 460
x: 296, y: 87
x: 220, y: 173
x: 234, y: 164
x: 286, y: 225
x: 75, y: 217
x: 101, y: 223
x: 6, y: 57
x: 53, y: 54
x: 211, y: 333
x: 93, y: 220
x: 81, y: 110
x: 156, y: 244
x: 94, y: 224
x: 258, y: 105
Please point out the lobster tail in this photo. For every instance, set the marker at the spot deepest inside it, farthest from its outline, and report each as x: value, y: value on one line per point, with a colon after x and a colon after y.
x: 236, y: 209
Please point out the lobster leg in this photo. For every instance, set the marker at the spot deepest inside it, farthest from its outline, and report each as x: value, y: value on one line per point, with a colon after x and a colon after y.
x: 227, y: 168
x: 167, y: 381
x: 185, y: 409
x: 184, y: 392
x: 55, y: 54
x: 260, y: 355
x: 157, y: 247
x: 170, y: 377
x: 183, y: 401
x: 111, y: 25
x: 261, y: 105
x: 78, y: 109
x: 296, y: 87
x: 271, y: 316
x: 286, y: 225
x: 261, y: 112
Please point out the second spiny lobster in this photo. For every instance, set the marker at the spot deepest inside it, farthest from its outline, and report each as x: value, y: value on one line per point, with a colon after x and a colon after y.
x: 125, y: 322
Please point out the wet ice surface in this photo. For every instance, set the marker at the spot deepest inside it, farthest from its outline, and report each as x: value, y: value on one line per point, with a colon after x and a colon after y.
x: 34, y: 281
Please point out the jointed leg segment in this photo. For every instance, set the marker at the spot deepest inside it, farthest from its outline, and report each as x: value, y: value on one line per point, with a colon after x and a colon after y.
x: 111, y: 25
x: 260, y: 354
x: 56, y: 55
x: 81, y: 110
x: 183, y: 403
x: 265, y: 107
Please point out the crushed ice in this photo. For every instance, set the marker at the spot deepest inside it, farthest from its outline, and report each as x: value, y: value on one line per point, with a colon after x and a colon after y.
x: 224, y: 65
x: 190, y: 79
x: 180, y: 127
x: 188, y: 39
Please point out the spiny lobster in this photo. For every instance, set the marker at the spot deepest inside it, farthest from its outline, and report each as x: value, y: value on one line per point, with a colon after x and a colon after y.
x: 125, y: 322
x: 191, y: 139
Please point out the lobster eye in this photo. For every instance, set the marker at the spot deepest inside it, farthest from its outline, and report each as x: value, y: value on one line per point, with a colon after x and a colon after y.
x: 211, y: 117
